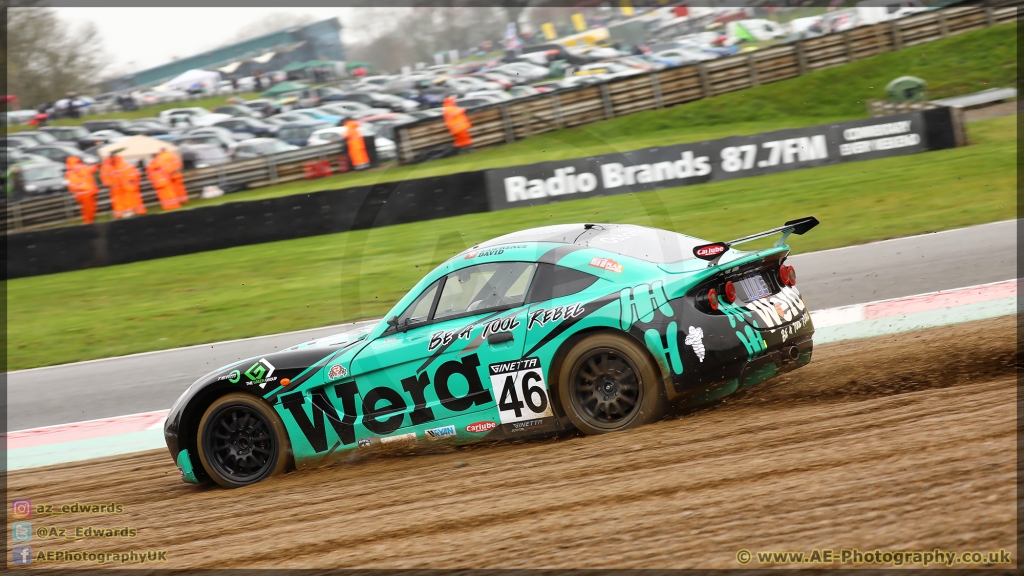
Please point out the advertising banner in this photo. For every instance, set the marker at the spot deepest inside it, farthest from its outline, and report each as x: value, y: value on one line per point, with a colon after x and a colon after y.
x: 713, y: 160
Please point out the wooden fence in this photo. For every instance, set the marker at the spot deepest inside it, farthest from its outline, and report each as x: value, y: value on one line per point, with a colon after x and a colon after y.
x: 507, y: 122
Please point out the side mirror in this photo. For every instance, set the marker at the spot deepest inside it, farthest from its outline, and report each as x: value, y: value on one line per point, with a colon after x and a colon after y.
x: 393, y: 322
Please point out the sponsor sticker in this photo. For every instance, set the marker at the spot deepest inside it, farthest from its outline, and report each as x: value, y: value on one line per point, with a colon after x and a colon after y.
x: 520, y: 390
x: 442, y: 432
x: 710, y: 251
x: 695, y: 338
x: 260, y: 373
x: 411, y: 436
x: 363, y: 442
x: 544, y: 315
x: 336, y: 371
x: 478, y: 427
x: 527, y: 424
x: 607, y: 264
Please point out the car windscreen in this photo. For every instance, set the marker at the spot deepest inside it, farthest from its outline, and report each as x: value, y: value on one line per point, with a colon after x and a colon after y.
x: 42, y: 172
x: 650, y: 244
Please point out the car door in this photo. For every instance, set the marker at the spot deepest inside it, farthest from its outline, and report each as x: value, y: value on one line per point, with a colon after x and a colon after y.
x: 431, y: 373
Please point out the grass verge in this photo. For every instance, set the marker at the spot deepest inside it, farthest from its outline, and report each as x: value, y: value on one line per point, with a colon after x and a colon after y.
x: 308, y: 282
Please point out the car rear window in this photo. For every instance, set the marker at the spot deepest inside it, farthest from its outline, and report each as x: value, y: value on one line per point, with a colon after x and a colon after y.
x: 650, y: 244
x: 552, y: 281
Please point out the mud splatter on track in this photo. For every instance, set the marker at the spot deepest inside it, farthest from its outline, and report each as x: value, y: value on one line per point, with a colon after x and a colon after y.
x: 896, y: 443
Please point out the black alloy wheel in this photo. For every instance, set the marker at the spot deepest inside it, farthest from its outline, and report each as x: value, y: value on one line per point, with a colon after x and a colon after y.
x: 606, y: 388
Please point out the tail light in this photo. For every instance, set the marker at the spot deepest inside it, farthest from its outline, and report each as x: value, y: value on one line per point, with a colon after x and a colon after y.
x: 713, y: 299
x: 784, y: 274
x: 729, y: 292
x: 792, y: 276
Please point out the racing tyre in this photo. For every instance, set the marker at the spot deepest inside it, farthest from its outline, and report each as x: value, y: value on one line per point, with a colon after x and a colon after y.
x: 607, y: 383
x: 241, y: 441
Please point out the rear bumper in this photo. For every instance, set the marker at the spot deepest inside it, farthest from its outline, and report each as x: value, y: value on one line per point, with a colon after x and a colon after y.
x: 785, y: 359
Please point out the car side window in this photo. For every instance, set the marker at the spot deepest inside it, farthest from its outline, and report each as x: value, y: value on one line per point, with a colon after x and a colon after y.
x: 484, y: 287
x: 419, y: 311
x: 554, y: 281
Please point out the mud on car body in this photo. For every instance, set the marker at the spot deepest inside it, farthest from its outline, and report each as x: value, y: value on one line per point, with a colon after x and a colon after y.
x: 599, y: 327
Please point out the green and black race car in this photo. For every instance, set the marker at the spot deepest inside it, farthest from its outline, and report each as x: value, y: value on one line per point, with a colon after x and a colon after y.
x: 598, y: 327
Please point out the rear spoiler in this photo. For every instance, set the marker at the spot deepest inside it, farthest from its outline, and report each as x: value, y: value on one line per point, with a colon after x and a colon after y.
x: 712, y: 252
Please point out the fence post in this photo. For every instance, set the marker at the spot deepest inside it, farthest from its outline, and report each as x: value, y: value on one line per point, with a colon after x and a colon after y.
x: 752, y: 71
x: 801, y: 58
x: 849, y: 46
x: 943, y: 24
x: 17, y: 216
x: 606, y: 100
x: 221, y: 177
x: 659, y: 103
x: 271, y: 169
x: 990, y: 14
x: 506, y: 121
x: 879, y: 40
x: 705, y: 83
x: 559, y: 121
x: 404, y: 147
x: 897, y: 35
x: 68, y: 212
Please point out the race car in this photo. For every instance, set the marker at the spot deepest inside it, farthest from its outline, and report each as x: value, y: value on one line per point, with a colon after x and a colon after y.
x: 597, y: 327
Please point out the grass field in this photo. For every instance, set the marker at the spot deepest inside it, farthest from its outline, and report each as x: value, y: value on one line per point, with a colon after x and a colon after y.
x: 308, y: 282
x: 958, y: 65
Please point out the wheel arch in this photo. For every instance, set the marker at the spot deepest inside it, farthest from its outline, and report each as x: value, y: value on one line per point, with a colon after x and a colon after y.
x: 563, y: 350
x: 192, y: 415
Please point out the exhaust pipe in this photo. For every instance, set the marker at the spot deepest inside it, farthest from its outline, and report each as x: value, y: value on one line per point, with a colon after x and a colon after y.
x: 790, y: 353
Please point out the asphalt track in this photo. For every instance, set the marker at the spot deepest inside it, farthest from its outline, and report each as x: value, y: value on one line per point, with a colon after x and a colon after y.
x: 856, y: 274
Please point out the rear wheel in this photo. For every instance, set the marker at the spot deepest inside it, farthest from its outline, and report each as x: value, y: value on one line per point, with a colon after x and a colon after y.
x: 608, y: 383
x: 241, y: 441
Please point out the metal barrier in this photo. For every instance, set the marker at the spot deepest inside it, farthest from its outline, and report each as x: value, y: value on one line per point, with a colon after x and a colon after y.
x: 266, y: 171
x: 507, y: 122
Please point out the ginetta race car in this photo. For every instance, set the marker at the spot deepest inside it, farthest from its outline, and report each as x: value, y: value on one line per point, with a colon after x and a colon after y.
x: 598, y: 327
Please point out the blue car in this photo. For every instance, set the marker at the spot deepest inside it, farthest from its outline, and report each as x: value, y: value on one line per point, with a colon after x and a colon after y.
x: 298, y: 133
x: 316, y: 114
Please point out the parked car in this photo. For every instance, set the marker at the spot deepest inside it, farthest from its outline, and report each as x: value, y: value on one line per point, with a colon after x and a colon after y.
x: 257, y: 147
x: 262, y: 106
x: 286, y: 118
x: 682, y: 56
x: 640, y: 63
x: 523, y: 91
x: 318, y: 114
x: 607, y: 70
x: 377, y: 100
x: 237, y: 111
x: 428, y: 113
x: 386, y: 149
x: 246, y: 128
x: 34, y: 179
x: 76, y: 135
x: 120, y: 125
x: 496, y: 95
x: 60, y: 152
x: 531, y: 72
x: 465, y: 84
x: 384, y: 124
x: 193, y: 116
x: 298, y: 133
x: 33, y: 138
x: 351, y: 109
x: 103, y: 137
x: 221, y: 136
x: 199, y: 155
x: 148, y: 127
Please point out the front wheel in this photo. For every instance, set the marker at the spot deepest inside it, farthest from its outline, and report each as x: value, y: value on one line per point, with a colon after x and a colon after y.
x: 241, y: 441
x: 608, y: 383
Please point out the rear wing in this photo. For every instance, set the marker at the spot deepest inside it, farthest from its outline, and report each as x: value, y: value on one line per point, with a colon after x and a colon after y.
x: 712, y: 252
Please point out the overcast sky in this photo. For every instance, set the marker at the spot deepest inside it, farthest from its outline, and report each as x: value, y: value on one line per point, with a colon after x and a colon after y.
x: 141, y: 38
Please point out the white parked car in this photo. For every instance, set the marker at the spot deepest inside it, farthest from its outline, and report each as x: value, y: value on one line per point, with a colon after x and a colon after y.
x: 193, y: 116
x: 680, y: 56
x: 531, y: 72
x: 496, y: 95
x: 386, y: 149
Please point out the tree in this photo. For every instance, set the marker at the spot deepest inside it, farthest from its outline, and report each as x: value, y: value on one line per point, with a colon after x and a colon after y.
x: 46, y: 58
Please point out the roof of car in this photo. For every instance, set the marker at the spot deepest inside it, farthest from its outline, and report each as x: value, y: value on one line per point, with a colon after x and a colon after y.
x: 299, y: 123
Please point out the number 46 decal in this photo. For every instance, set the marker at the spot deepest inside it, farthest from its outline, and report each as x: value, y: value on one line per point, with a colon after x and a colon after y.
x: 520, y: 389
